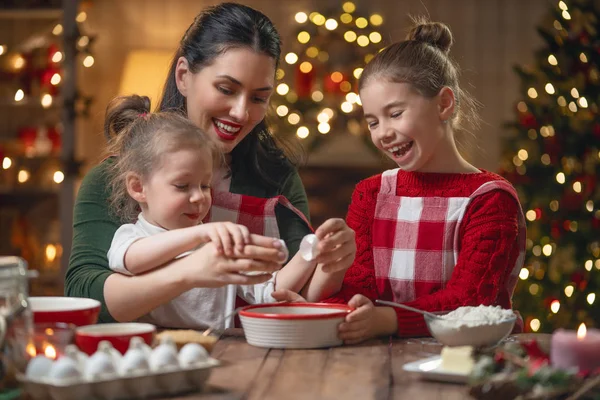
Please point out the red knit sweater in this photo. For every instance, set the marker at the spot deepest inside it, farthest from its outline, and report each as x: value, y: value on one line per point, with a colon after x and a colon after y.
x: 486, y: 256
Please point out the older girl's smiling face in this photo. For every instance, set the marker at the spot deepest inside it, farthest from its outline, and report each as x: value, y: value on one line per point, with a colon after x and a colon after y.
x: 230, y: 96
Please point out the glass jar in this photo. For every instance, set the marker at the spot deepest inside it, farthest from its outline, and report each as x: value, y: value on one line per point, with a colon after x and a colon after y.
x: 17, y: 324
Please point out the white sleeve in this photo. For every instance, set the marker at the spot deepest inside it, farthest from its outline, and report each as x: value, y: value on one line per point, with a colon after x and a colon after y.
x: 260, y: 293
x: 124, y: 237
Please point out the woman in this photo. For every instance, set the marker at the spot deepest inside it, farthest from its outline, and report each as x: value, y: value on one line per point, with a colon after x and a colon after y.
x: 222, y: 77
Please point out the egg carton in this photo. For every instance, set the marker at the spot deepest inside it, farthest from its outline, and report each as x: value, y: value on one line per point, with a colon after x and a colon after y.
x: 135, y: 386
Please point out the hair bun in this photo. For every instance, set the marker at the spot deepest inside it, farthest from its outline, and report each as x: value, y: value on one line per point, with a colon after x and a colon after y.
x: 436, y: 34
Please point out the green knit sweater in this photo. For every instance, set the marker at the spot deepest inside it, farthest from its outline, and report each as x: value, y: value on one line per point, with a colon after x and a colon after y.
x: 94, y: 227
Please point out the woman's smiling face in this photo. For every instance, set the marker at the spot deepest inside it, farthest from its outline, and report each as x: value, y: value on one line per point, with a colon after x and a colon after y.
x: 230, y: 96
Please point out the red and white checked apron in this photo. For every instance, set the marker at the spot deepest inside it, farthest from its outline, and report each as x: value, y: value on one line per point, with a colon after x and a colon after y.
x: 416, y: 240
x: 255, y: 213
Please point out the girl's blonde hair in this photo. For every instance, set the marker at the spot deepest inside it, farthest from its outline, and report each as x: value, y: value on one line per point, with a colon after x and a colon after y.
x: 139, y: 139
x: 422, y: 61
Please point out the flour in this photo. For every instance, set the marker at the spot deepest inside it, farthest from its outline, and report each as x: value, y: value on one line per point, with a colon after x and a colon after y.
x: 475, y: 316
x: 472, y: 326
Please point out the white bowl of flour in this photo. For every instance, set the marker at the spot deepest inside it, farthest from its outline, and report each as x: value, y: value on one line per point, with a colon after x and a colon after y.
x: 480, y: 326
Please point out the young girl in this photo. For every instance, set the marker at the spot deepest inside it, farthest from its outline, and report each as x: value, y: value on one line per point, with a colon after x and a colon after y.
x: 162, y: 180
x: 437, y: 233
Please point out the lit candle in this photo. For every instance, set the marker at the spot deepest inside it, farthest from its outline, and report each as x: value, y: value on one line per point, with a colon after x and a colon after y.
x: 579, y: 349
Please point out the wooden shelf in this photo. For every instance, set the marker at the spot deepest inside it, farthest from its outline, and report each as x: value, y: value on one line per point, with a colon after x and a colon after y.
x: 24, y: 13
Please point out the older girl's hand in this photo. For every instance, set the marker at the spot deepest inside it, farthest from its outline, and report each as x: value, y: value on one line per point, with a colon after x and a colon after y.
x: 337, y: 247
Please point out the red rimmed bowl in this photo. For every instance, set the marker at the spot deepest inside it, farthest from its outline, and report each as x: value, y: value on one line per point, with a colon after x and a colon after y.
x: 87, y: 338
x: 293, y: 325
x: 70, y: 310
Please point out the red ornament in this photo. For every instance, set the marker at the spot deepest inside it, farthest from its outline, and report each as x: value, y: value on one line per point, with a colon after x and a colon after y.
x: 304, y: 82
x: 527, y: 120
x: 27, y: 136
x: 577, y: 278
x: 55, y: 138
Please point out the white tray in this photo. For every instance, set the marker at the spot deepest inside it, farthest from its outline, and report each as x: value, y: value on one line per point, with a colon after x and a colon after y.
x: 431, y: 368
x: 167, y: 383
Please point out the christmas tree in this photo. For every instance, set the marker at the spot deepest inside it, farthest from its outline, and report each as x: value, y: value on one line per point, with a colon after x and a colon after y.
x: 552, y: 156
x: 317, y: 90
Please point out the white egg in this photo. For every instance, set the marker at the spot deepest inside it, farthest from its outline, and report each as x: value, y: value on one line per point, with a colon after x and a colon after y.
x: 108, y: 348
x: 76, y: 355
x: 64, y: 370
x: 163, y: 356
x: 192, y: 353
x: 38, y: 368
x: 137, y: 342
x: 134, y: 361
x: 100, y: 365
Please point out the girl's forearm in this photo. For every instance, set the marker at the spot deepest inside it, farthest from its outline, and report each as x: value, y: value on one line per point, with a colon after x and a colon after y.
x: 295, y: 274
x: 130, y: 297
x: 151, y: 252
x: 323, y: 285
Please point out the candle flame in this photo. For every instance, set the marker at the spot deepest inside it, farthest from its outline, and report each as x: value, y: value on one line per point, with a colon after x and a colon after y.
x: 50, y: 352
x: 30, y: 349
x: 581, y: 332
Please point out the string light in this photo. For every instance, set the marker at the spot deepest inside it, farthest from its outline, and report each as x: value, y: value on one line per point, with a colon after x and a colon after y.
x: 569, y: 290
x: 57, y: 57
x: 322, y: 117
x: 550, y: 88
x: 557, y: 25
x: 318, y: 19
x: 589, y: 205
x: 57, y: 30
x: 293, y: 118
x: 346, y: 18
x: 566, y: 15
x: 361, y: 22
x: 583, y: 102
x: 352, y: 97
x: 530, y: 215
x: 2, y: 49
x: 376, y: 19
x: 591, y: 298
x: 534, y: 289
x: 350, y: 36
x: 6, y: 163
x: 545, y: 159
x: 306, y: 67
x: 302, y: 132
x: 375, y: 37
x: 577, y: 187
x: 55, y: 80
x: 531, y: 92
x: 583, y: 58
x: 301, y: 17
x: 535, y: 324
x: 312, y: 52
x: 574, y: 93
x: 303, y: 37
x: 291, y: 58
x: 524, y: 274
x: 23, y: 176
x: 362, y: 41
x: 88, y: 61
x: 324, y: 128
x: 552, y: 60
x: 58, y: 177
x: 83, y: 41
x: 573, y: 106
x: 522, y: 154
x: 46, y: 100
x: 81, y: 17
x: 349, y: 7
x: 555, y: 306
x: 560, y: 178
x: 331, y: 24
x: 345, y: 86
x: 282, y: 110
x: 20, y: 95
x: 357, y: 73
x: 522, y: 107
x: 19, y: 62
x: 561, y: 101
x: 317, y: 96
x: 588, y: 265
x: 329, y: 112
x: 346, y: 107
x: 547, y: 250
x: 279, y: 74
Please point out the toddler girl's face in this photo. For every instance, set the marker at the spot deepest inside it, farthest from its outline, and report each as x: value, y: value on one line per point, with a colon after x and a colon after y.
x: 404, y: 125
x: 177, y: 194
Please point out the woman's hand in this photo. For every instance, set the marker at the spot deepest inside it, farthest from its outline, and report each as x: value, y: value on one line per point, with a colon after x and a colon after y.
x: 337, y: 247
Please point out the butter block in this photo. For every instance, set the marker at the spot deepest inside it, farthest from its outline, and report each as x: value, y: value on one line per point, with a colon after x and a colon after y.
x: 458, y: 360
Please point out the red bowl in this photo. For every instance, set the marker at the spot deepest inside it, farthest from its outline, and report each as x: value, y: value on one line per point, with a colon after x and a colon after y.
x: 70, y: 310
x: 87, y: 338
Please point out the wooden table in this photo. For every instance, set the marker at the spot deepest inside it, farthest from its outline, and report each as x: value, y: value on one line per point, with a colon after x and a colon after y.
x: 372, y: 370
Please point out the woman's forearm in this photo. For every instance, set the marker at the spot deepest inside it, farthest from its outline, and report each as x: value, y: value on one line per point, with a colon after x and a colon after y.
x: 130, y: 297
x: 323, y: 285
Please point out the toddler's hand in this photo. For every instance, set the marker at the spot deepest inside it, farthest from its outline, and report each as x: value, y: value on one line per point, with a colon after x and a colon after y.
x: 288, y: 296
x: 336, y: 247
x: 226, y: 236
x: 360, y: 323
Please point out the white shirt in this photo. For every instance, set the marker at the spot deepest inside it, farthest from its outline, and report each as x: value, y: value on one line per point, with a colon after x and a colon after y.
x: 197, y: 308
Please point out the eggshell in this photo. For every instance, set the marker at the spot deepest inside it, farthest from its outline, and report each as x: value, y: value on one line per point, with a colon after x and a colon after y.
x: 308, y: 247
x: 38, y: 368
x: 64, y: 370
x: 192, y: 353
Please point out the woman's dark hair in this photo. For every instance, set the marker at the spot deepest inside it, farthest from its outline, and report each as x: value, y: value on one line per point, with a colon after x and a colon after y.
x: 422, y: 60
x: 214, y: 31
x: 139, y: 140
